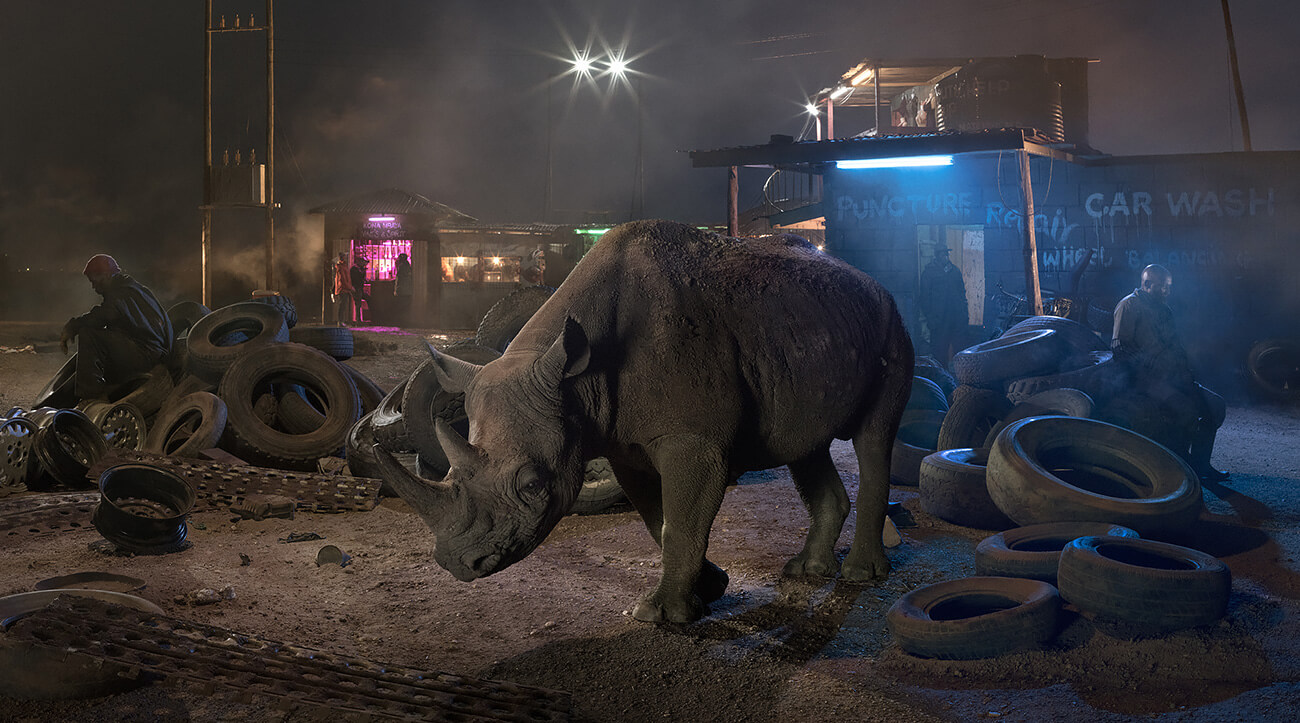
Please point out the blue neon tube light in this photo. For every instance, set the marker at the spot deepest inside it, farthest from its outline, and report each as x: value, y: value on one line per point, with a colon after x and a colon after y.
x: 897, y: 162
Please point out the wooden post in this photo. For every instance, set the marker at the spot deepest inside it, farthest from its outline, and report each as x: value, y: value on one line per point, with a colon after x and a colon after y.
x: 830, y: 118
x: 733, y: 201
x: 205, y: 240
x: 270, y: 146
x: 1032, y: 289
x: 1236, y: 78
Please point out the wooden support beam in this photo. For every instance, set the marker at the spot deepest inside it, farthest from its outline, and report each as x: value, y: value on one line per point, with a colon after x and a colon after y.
x: 733, y: 201
x: 1032, y: 289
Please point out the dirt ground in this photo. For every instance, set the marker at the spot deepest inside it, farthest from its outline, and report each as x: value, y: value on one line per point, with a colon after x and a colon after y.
x: 771, y: 649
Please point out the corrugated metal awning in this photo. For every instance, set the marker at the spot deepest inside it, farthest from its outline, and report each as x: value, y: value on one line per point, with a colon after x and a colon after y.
x: 393, y: 201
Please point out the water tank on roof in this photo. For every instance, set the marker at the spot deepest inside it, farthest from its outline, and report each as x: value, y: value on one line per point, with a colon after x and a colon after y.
x: 1016, y: 92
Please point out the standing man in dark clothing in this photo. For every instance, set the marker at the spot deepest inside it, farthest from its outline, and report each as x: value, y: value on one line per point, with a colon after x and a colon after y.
x: 360, y: 301
x: 1146, y: 342
x: 943, y: 303
x: 342, y: 290
x: 403, y: 288
x: 128, y: 334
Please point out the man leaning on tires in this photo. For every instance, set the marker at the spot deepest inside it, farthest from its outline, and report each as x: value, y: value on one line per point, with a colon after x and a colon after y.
x: 126, y: 335
x: 1146, y: 342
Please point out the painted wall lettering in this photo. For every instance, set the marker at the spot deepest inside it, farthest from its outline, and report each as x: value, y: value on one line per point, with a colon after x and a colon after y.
x: 912, y: 207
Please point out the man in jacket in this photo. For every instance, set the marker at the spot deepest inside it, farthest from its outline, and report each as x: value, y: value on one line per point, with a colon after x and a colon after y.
x: 1146, y: 342
x: 126, y: 335
x: 342, y: 290
x: 943, y: 304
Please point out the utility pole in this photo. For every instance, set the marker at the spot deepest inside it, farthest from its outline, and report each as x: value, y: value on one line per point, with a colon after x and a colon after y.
x: 261, y: 189
x: 1236, y: 77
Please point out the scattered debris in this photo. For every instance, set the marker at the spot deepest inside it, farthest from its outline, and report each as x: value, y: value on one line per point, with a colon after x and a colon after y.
x: 302, y: 537
x: 206, y: 596
x: 332, y: 555
x: 245, y: 560
x: 260, y: 507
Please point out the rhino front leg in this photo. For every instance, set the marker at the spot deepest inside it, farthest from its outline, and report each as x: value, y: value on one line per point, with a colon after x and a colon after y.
x: 645, y: 491
x: 693, y: 478
x: 823, y: 494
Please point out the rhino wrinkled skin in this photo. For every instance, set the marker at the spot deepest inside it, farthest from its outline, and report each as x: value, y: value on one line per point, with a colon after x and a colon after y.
x: 686, y: 358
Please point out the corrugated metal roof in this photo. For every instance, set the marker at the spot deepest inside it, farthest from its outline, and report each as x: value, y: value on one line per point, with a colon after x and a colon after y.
x: 395, y: 200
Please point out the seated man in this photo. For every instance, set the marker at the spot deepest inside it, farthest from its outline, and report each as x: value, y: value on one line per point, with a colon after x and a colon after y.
x: 1147, y: 343
x: 127, y: 335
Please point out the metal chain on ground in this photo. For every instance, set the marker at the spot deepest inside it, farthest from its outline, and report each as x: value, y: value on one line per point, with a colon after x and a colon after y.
x: 219, y: 485
x: 293, y: 675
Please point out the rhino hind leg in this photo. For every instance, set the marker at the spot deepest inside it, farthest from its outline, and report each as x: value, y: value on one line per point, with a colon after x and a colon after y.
x: 822, y: 491
x: 873, y: 443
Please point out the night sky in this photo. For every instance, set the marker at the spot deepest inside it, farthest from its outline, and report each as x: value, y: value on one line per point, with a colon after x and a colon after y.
x: 102, y: 102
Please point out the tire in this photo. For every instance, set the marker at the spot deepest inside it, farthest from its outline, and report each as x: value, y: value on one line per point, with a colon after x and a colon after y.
x: 122, y: 423
x: 360, y: 453
x: 149, y: 391
x: 207, y: 359
x: 1152, y: 586
x: 61, y: 391
x: 600, y: 489
x: 1053, y: 402
x: 295, y: 413
x: 1034, y: 552
x: 184, y: 387
x: 1075, y: 336
x: 930, y: 368
x: 953, y: 489
x: 502, y: 322
x: 184, y: 315
x: 927, y: 395
x: 424, y: 400
x: 974, y: 413
x: 288, y: 364
x: 37, y: 672
x: 1274, y: 368
x: 371, y: 394
x: 1010, y: 356
x: 389, y: 428
x: 917, y: 435
x: 974, y: 617
x: 333, y: 340
x: 195, y: 423
x: 1096, y: 374
x: 284, y: 304
x: 1063, y: 469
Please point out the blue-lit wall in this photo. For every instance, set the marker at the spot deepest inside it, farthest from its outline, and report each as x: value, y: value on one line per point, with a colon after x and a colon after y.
x: 1225, y: 224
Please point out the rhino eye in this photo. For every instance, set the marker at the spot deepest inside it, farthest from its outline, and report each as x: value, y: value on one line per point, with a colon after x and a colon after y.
x: 531, y: 484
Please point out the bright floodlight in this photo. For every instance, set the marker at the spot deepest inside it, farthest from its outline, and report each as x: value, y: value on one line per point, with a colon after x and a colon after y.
x: 811, y: 108
x: 900, y: 162
x: 617, y: 67
x: 582, y: 65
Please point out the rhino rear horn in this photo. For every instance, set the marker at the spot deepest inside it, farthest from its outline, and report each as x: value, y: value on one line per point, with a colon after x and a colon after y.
x: 429, y: 498
x: 453, y: 374
x: 460, y: 453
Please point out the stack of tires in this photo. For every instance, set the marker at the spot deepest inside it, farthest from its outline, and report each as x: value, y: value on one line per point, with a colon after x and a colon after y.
x: 244, y: 381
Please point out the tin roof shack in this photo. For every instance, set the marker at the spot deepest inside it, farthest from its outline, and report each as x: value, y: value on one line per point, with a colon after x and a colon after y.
x: 1225, y: 224
x: 460, y: 266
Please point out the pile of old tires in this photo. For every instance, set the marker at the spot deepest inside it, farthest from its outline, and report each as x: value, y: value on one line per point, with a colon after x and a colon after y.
x: 1025, y: 577
x: 1015, y: 451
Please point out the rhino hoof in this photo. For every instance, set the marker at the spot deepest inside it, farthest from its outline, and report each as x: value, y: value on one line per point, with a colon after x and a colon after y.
x: 652, y: 610
x: 804, y: 566
x: 852, y: 571
x: 712, y: 583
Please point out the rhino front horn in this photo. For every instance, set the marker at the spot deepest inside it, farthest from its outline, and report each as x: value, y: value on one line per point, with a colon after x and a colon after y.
x: 428, y: 498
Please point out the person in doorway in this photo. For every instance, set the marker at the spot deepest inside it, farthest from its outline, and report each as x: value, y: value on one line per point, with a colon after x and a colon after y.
x: 360, y: 300
x: 943, y: 304
x: 403, y: 289
x: 1146, y: 342
x: 126, y: 335
x: 342, y: 290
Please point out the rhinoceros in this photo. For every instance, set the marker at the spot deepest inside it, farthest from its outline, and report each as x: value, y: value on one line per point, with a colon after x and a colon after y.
x: 687, y: 358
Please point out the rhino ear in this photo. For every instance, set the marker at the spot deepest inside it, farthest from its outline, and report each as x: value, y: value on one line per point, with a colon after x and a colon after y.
x: 453, y: 374
x: 569, y: 354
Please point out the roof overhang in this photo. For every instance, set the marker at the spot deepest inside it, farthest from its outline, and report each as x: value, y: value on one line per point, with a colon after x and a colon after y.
x: 815, y: 153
